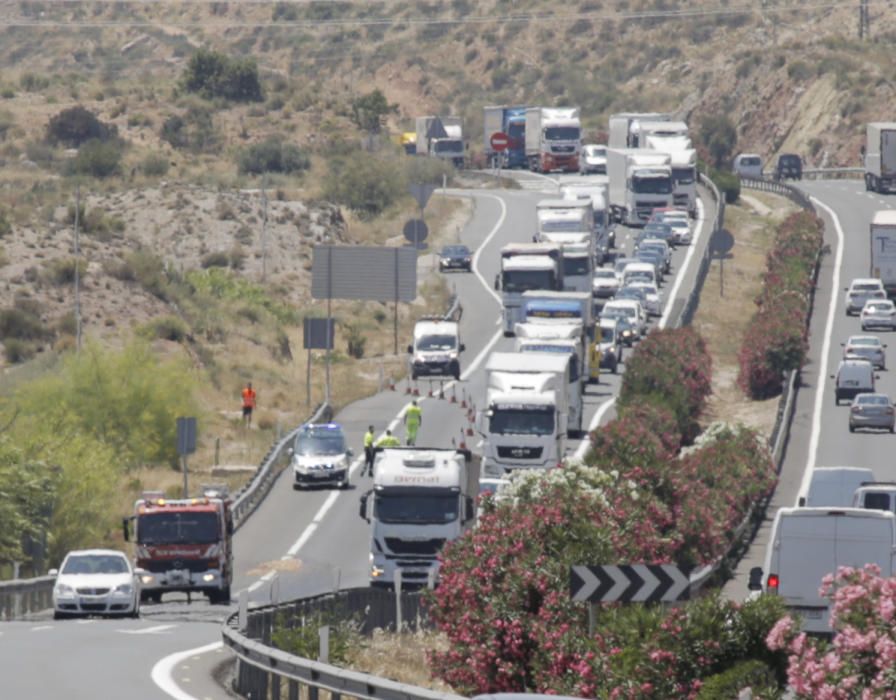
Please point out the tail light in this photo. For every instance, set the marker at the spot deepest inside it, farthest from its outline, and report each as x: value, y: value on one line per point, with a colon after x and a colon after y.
x: 773, y: 583
x: 889, y: 410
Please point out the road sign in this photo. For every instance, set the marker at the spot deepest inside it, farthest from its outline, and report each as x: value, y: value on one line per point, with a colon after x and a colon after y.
x: 416, y: 231
x: 421, y: 192
x: 499, y: 141
x: 186, y: 435
x: 721, y: 242
x: 436, y: 129
x: 633, y: 583
x: 365, y: 273
x: 315, y: 335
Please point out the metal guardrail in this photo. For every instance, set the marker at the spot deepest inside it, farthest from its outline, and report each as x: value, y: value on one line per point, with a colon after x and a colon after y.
x: 24, y: 596
x: 263, y: 669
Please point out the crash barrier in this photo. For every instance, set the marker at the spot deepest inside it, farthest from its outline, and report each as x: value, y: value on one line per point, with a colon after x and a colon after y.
x: 264, y: 671
x: 686, y: 314
x: 832, y: 173
x: 21, y: 597
x: 248, y: 498
x: 796, y: 196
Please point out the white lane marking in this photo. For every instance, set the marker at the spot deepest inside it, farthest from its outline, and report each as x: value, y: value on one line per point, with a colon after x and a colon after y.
x: 687, y: 261
x: 263, y: 580
x: 312, y: 526
x: 149, y: 630
x: 161, y: 672
x: 605, y: 406
x: 825, y: 352
x: 41, y: 628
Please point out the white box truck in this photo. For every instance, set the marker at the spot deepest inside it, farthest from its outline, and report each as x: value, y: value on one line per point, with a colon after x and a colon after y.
x: 421, y: 498
x: 596, y: 189
x: 526, y: 266
x: 640, y: 181
x: 880, y: 157
x: 569, y: 223
x: 807, y: 544
x: 553, y: 139
x: 883, y: 249
x: 834, y: 486
x: 446, y: 142
x: 526, y: 417
x: 624, y: 127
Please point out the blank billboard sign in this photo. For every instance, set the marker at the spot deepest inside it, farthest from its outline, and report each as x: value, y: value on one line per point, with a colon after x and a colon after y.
x: 366, y: 273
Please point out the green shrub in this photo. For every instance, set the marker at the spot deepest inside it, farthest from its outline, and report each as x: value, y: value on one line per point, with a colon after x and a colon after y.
x: 21, y: 324
x: 154, y: 165
x: 62, y: 270
x: 167, y: 328
x: 728, y: 184
x: 15, y: 350
x: 34, y: 83
x: 97, y: 159
x: 718, y: 136
x: 355, y: 341
x: 216, y: 259
x: 5, y: 226
x: 747, y: 674
x: 272, y: 155
x: 76, y: 125
x: 194, y: 131
x: 799, y: 71
x: 213, y: 74
x: 303, y: 639
x: 367, y: 185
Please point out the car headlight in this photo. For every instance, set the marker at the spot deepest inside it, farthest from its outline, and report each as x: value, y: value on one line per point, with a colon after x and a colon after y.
x: 63, y: 589
x: 147, y: 578
x: 125, y: 589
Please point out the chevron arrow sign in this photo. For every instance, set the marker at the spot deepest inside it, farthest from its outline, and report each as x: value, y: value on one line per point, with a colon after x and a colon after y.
x: 632, y: 583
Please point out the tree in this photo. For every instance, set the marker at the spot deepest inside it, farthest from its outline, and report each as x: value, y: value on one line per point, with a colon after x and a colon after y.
x: 719, y: 136
x: 77, y: 125
x: 369, y: 111
x: 213, y: 74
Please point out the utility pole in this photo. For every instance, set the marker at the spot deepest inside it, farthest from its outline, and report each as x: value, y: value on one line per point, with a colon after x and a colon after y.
x: 77, y: 269
x: 864, y: 20
x: 264, y: 230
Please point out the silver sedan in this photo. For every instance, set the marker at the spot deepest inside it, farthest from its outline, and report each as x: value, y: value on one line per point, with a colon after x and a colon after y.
x: 879, y: 313
x: 872, y: 411
x: 866, y: 347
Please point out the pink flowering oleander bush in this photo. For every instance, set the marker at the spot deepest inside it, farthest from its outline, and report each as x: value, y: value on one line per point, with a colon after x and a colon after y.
x: 776, y: 339
x: 860, y: 661
x: 670, y: 368
x: 503, y: 599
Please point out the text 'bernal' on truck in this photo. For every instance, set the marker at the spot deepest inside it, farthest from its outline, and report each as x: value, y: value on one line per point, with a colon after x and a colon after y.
x: 183, y: 545
x: 421, y: 499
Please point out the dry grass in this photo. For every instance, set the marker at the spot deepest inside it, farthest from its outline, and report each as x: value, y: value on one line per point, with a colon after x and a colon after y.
x: 400, y: 657
x: 721, y: 320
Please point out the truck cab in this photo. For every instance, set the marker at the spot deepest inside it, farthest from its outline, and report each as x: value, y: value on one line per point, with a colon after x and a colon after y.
x: 421, y: 499
x: 524, y: 267
x: 436, y: 348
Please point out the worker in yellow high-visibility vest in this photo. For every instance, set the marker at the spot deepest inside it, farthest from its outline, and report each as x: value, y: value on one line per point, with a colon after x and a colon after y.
x: 388, y: 440
x: 369, y: 439
x: 413, y: 418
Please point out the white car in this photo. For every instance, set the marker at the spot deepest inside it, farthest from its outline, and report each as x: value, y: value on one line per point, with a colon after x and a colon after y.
x: 861, y: 290
x: 748, y: 165
x: 633, y: 310
x: 866, y: 347
x: 681, y: 230
x: 653, y: 301
x: 96, y: 582
x: 879, y: 313
x: 593, y: 159
x: 320, y: 456
x: 604, y: 283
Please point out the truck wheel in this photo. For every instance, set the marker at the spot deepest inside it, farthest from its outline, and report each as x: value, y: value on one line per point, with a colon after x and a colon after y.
x: 615, y: 368
x: 455, y: 372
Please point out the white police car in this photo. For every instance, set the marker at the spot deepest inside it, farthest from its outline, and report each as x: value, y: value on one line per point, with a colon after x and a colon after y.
x: 320, y: 456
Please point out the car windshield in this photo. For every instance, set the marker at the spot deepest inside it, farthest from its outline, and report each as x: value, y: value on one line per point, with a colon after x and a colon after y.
x: 576, y: 266
x: 404, y: 507
x: 651, y: 184
x: 524, y: 280
x: 330, y: 442
x: 873, y: 399
x: 864, y: 341
x: 430, y: 343
x: 749, y: 161
x: 865, y: 288
x: 881, y: 306
x: 790, y: 161
x: 177, y: 527
x: 535, y: 420
x: 562, y: 133
x: 455, y: 251
x: 95, y: 564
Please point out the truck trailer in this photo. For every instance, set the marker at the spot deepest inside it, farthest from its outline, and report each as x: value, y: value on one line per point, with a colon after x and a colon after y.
x: 883, y: 249
x: 880, y: 157
x: 510, y: 121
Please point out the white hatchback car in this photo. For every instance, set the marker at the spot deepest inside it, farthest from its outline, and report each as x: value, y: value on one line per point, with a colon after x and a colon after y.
x: 866, y: 347
x: 604, y: 283
x: 861, y: 290
x: 879, y: 313
x: 96, y: 582
x: 653, y: 298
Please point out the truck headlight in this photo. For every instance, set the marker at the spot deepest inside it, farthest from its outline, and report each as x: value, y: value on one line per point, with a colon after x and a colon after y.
x: 147, y: 578
x: 376, y: 571
x: 208, y: 577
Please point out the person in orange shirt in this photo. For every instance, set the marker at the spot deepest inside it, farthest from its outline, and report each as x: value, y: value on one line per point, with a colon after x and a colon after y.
x: 248, y: 403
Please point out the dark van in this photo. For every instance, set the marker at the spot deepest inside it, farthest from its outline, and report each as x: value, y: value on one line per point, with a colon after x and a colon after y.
x: 790, y: 167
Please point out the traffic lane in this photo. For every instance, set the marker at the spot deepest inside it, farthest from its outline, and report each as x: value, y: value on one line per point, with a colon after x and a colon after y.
x: 91, y: 658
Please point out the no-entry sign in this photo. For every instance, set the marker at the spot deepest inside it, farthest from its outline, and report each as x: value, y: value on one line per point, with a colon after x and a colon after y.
x: 499, y: 141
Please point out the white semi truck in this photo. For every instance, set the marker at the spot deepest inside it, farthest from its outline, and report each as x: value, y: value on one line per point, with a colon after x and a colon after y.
x: 526, y: 417
x: 597, y: 190
x: 526, y: 266
x: 446, y: 143
x: 625, y: 127
x: 553, y: 139
x: 421, y: 498
x: 640, y: 181
x: 672, y: 138
x: 880, y: 157
x: 883, y: 249
x: 570, y: 223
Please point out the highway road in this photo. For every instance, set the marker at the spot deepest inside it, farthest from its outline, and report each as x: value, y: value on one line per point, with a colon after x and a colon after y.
x: 819, y: 433
x: 303, y: 543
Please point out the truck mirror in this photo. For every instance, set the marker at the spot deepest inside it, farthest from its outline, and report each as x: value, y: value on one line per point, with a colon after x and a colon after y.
x: 755, y: 583
x: 53, y: 572
x: 410, y: 349
x: 125, y: 529
x: 470, y: 508
x: 497, y: 282
x: 463, y: 347
x: 229, y: 526
x: 363, y: 509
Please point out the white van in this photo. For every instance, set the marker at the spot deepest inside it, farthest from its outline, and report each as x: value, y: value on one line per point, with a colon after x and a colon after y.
x: 639, y: 272
x: 807, y: 544
x: 748, y: 165
x: 876, y: 496
x: 834, y: 486
x: 853, y: 377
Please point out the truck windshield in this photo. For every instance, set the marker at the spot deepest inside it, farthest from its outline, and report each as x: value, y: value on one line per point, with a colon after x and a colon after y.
x: 516, y: 130
x: 684, y: 176
x: 651, y: 184
x: 524, y: 280
x: 563, y: 226
x: 331, y: 443
x: 435, y: 508
x: 576, y: 266
x: 178, y: 527
x: 534, y: 420
x: 562, y: 133
x: 428, y: 343
x: 448, y: 147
